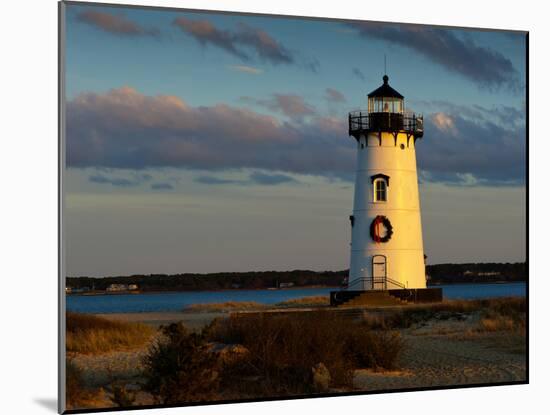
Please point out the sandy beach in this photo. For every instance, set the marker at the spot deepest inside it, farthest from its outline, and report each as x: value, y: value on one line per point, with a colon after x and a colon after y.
x: 432, y: 360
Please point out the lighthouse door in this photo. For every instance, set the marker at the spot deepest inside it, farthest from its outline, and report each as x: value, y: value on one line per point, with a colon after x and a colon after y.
x: 379, y: 272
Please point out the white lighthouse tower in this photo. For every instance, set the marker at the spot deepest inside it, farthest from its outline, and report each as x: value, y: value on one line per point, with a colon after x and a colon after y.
x: 386, y: 243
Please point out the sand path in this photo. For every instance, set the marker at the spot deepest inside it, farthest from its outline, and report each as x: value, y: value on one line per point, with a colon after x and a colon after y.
x: 437, y: 360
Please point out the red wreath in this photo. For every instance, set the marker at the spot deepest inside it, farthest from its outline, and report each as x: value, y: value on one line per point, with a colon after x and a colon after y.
x: 375, y: 229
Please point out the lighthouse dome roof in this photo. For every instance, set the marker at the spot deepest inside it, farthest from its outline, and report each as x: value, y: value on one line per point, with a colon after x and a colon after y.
x: 385, y: 90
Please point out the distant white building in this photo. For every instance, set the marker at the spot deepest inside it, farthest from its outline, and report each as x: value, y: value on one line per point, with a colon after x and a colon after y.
x: 286, y: 284
x: 117, y: 287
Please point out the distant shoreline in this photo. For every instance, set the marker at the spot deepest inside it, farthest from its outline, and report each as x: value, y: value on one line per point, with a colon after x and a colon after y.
x: 441, y: 274
x: 138, y: 292
x: 91, y: 293
x: 435, y: 284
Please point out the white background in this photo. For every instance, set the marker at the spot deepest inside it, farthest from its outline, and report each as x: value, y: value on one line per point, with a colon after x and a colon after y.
x: 28, y: 195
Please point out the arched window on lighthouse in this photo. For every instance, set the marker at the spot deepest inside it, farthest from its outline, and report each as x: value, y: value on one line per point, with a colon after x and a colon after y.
x: 380, y: 190
x: 380, y: 183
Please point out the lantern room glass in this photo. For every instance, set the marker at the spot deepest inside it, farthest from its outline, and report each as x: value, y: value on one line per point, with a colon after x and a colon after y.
x: 386, y: 104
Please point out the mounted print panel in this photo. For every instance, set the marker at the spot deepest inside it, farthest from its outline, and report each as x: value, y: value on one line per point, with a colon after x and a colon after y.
x: 259, y: 207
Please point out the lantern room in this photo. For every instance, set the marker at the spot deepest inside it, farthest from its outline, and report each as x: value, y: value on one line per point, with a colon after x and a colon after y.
x: 385, y: 113
x: 385, y: 99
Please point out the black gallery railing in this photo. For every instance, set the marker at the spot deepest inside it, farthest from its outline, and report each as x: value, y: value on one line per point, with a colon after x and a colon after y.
x: 363, y: 122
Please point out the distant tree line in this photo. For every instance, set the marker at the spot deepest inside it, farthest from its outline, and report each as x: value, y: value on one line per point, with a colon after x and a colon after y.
x: 438, y: 274
x: 217, y: 281
x: 476, y: 272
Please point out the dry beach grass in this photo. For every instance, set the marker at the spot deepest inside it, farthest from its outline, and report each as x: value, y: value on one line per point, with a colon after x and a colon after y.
x: 312, y: 301
x: 92, y: 334
x: 229, y: 306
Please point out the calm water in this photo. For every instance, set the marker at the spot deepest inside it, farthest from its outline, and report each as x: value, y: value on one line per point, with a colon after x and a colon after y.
x: 133, y: 303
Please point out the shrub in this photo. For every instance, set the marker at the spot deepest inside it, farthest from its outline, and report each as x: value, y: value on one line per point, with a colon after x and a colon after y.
x: 506, y: 314
x: 77, y: 395
x: 92, y: 334
x: 284, y: 349
x: 376, y: 350
x: 122, y: 397
x: 74, y: 385
x: 180, y: 368
x: 512, y: 308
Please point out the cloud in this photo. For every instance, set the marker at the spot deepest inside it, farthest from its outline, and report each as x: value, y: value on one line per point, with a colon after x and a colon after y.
x: 246, y: 69
x: 266, y: 47
x: 125, y: 178
x: 135, y: 180
x: 115, y: 24
x: 475, y: 149
x: 239, y: 42
x: 510, y: 117
x: 206, y: 33
x: 293, y: 106
x: 100, y: 179
x: 357, y: 73
x: 333, y: 95
x: 215, y: 180
x: 162, y: 186
x: 312, y: 64
x: 444, y: 122
x: 271, y: 179
x: 486, y: 67
x: 123, y: 128
x: 257, y: 177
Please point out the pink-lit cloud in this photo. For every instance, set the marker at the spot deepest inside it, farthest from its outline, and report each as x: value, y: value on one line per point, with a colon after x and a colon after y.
x: 291, y: 105
x: 240, y: 43
x: 124, y: 128
x: 444, y: 122
x: 333, y: 95
x: 115, y: 24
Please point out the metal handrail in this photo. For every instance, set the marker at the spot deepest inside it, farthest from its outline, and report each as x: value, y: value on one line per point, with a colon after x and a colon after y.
x: 394, y: 282
x: 383, y: 280
x: 362, y: 121
x: 358, y: 280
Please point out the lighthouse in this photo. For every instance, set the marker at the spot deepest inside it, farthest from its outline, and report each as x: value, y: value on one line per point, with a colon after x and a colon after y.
x: 386, y: 231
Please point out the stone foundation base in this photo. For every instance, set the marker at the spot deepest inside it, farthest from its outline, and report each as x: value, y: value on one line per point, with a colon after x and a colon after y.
x: 386, y: 297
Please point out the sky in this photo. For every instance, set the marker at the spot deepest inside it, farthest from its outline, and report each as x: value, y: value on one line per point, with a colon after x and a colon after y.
x: 211, y: 142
